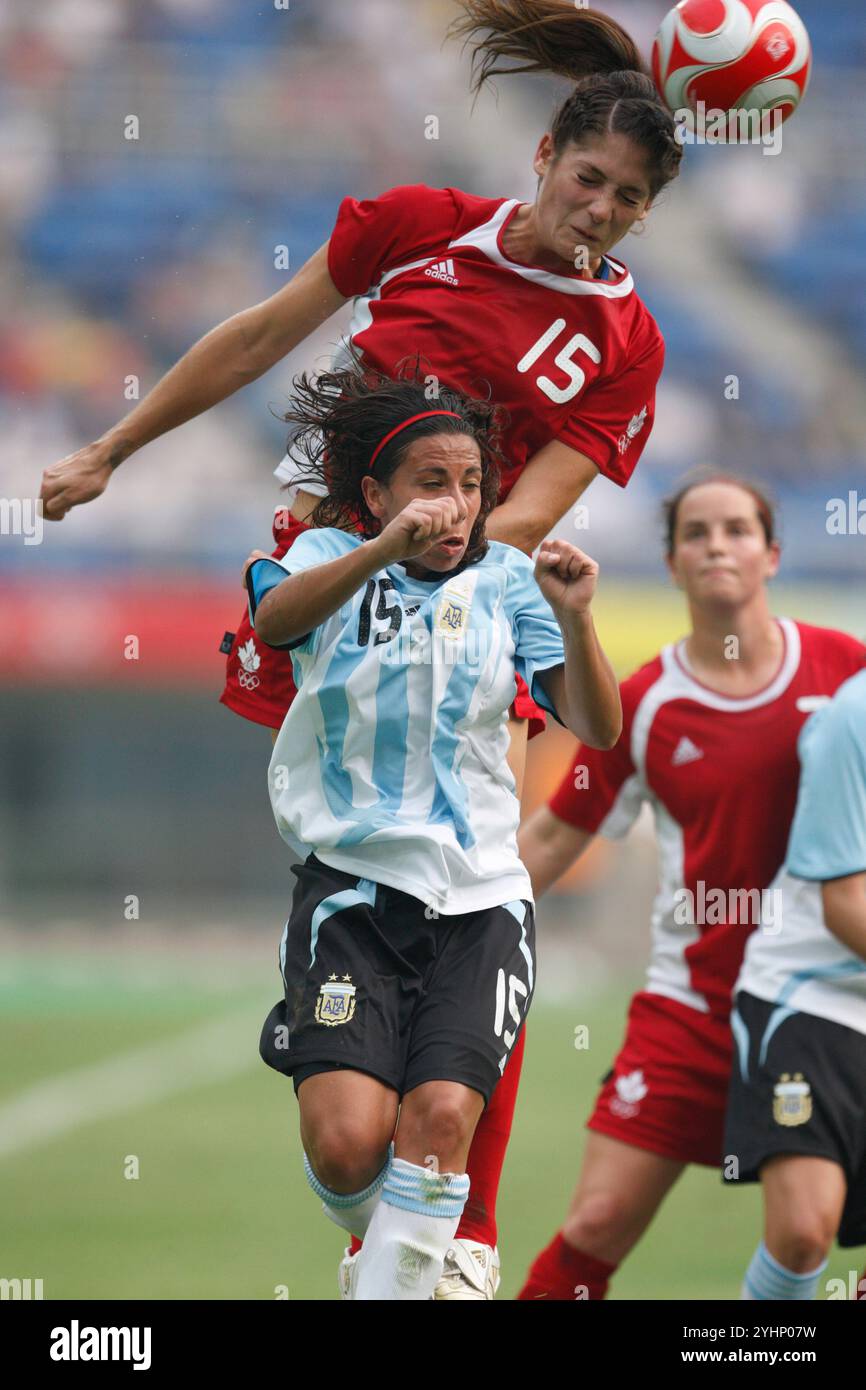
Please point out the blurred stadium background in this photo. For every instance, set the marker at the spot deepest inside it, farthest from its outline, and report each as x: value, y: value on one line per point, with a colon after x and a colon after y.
x: 142, y: 882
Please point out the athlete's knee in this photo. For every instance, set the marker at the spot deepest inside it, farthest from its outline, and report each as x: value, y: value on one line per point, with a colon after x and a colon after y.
x: 803, y: 1203
x: 802, y: 1239
x: 444, y: 1119
x: 346, y: 1156
x: 599, y: 1223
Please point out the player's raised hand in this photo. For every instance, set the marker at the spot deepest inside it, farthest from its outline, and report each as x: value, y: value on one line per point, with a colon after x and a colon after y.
x: 80, y: 477
x: 566, y: 576
x: 421, y: 525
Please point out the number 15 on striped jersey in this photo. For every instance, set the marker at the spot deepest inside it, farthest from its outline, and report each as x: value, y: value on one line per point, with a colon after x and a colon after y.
x: 564, y: 359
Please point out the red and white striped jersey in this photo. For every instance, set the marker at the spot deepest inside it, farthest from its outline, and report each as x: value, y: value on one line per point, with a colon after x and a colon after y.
x: 571, y: 359
x: 720, y: 775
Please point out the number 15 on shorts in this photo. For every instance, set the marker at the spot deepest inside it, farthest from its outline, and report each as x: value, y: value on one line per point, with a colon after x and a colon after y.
x: 514, y: 991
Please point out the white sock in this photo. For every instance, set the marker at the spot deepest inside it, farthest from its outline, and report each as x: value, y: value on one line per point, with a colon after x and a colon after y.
x: 767, y: 1279
x: 351, y: 1210
x: 408, y: 1238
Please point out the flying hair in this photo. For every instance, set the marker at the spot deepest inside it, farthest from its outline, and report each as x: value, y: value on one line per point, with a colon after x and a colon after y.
x: 542, y: 36
x: 613, y: 92
x: 347, y: 422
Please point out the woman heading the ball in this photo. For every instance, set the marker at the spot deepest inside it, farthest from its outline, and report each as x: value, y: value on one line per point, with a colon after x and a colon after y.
x: 408, y: 957
x: 522, y: 300
x: 709, y: 742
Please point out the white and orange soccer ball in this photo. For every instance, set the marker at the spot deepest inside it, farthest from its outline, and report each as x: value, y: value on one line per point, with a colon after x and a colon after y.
x: 732, y: 55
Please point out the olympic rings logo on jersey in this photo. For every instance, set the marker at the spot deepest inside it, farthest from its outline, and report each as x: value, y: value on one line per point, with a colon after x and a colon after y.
x: 250, y: 662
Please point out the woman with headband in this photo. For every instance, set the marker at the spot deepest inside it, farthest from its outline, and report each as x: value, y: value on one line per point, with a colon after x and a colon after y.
x: 408, y: 956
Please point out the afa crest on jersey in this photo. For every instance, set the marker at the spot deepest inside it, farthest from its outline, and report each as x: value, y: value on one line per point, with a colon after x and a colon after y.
x: 452, y: 613
x: 792, y: 1100
x: 336, y: 1001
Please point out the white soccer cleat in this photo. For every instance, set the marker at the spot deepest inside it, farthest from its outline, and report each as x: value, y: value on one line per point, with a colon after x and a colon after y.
x: 470, y: 1271
x: 348, y: 1274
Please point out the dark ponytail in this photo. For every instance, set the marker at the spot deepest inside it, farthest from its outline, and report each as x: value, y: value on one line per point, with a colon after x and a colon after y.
x: 614, y: 91
x: 548, y: 35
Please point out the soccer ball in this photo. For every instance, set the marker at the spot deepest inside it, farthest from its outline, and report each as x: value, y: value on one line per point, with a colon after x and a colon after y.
x: 732, y: 55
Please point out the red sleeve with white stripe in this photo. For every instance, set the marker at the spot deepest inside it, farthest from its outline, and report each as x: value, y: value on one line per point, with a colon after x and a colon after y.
x: 602, y: 781
x: 615, y: 416
x: 372, y: 236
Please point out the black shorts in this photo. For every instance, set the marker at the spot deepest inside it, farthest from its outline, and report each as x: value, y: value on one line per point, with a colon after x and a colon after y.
x: 376, y: 982
x: 798, y: 1087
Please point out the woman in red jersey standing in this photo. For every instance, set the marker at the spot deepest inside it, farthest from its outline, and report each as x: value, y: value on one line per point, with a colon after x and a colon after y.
x: 522, y: 300
x: 709, y: 742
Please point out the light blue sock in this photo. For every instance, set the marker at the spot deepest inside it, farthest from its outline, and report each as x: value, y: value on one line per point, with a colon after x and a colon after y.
x: 409, y: 1236
x: 766, y: 1279
x: 351, y: 1210
x: 425, y: 1191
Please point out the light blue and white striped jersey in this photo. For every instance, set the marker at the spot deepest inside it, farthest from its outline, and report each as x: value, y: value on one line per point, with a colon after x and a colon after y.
x: 798, y: 964
x: 391, y: 762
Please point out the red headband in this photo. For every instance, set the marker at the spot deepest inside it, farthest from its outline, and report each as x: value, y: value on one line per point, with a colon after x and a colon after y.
x: 425, y: 415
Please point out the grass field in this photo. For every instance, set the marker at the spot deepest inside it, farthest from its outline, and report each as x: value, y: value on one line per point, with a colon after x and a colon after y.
x: 101, y: 1064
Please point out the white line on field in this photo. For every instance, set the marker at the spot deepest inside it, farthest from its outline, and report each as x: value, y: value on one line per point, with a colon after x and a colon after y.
x: 198, y: 1057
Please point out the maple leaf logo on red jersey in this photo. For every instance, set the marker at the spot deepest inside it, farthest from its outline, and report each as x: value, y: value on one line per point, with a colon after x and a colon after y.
x: 249, y: 657
x: 631, y: 1088
x: 633, y: 429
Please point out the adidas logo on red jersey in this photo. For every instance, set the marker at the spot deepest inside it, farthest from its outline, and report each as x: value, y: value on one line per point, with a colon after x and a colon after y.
x: 686, y: 752
x: 443, y: 270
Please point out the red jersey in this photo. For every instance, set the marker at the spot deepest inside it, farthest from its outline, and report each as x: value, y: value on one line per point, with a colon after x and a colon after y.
x: 721, y: 777
x: 570, y: 358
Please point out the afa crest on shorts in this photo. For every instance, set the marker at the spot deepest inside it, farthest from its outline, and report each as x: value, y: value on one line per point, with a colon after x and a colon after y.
x: 792, y: 1100
x: 336, y: 1001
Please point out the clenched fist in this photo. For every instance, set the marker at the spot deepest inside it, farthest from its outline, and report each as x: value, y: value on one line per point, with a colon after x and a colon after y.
x: 566, y: 577
x: 421, y: 525
x: 78, y: 478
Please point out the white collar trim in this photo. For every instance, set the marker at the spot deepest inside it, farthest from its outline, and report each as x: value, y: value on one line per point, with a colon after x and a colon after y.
x: 485, y: 238
x: 675, y: 668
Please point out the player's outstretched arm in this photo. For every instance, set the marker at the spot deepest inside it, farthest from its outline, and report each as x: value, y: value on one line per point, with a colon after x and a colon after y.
x: 584, y: 691
x: 844, y: 902
x: 305, y: 600
x: 230, y: 356
x: 548, y: 847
